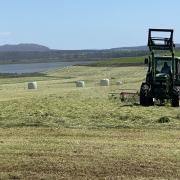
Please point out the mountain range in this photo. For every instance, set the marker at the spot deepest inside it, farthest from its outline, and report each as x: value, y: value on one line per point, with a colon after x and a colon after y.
x: 34, y: 53
x: 27, y: 47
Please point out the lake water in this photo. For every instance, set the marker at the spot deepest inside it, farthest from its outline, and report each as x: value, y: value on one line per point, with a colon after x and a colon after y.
x: 36, y: 67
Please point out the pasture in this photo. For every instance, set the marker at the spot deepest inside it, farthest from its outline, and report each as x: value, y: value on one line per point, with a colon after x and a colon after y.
x: 60, y: 131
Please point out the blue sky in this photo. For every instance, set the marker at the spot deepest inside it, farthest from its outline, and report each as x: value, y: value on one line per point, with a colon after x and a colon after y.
x: 85, y: 24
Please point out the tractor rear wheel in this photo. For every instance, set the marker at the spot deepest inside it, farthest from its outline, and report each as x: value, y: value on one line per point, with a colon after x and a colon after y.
x: 175, y: 100
x: 145, y: 97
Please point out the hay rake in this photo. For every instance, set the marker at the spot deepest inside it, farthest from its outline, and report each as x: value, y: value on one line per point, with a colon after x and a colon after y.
x: 126, y: 95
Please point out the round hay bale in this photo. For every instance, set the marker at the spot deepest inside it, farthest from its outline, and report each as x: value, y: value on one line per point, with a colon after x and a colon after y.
x: 104, y: 82
x: 80, y: 84
x: 119, y: 83
x: 32, y: 85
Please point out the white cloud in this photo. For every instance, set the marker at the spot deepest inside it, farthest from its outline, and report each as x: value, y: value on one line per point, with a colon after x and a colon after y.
x: 5, y: 34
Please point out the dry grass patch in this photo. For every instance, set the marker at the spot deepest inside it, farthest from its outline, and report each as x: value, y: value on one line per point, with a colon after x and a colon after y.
x: 74, y: 153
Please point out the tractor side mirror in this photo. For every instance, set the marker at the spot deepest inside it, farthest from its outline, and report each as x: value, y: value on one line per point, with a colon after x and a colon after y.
x: 146, y: 61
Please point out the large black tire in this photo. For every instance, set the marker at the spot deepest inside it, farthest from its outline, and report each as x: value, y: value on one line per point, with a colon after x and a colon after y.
x: 145, y: 97
x: 175, y: 100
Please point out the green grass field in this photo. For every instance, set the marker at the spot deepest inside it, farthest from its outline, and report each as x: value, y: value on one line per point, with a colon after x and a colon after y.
x: 60, y: 131
x: 126, y: 60
x: 120, y: 61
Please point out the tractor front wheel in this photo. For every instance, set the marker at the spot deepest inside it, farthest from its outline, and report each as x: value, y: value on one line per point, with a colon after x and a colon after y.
x: 145, y: 97
x: 175, y: 100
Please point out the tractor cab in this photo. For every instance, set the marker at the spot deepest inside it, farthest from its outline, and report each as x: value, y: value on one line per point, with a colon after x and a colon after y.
x: 163, y: 66
x: 163, y: 76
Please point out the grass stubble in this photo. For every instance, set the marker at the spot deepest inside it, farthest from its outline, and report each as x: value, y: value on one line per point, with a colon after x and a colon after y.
x: 60, y: 131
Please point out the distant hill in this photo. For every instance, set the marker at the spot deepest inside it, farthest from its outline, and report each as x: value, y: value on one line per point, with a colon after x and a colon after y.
x: 131, y: 48
x: 30, y: 47
x: 34, y: 53
x: 137, y: 48
x: 23, y: 48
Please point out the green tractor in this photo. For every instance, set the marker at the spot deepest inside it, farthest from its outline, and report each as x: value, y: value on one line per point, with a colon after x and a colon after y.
x: 163, y: 76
